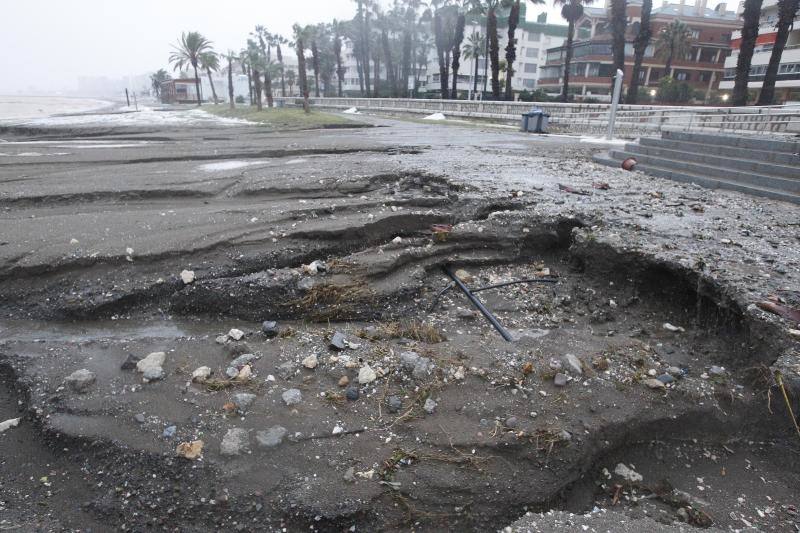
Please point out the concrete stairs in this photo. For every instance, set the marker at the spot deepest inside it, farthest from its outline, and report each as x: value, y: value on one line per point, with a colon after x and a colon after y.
x: 760, y: 166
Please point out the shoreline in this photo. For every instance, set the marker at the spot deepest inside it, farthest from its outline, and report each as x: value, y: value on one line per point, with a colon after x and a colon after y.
x: 22, y: 107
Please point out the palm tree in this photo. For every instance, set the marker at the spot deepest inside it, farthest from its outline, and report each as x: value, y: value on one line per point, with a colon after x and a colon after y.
x: 511, y: 47
x: 255, y: 61
x: 210, y: 61
x: 787, y: 11
x: 300, y: 35
x: 231, y: 56
x: 244, y: 61
x: 639, y: 46
x: 156, y: 79
x: 571, y: 11
x: 494, y: 51
x: 458, y: 38
x: 290, y: 79
x: 337, y: 54
x: 187, y: 52
x: 750, y: 16
x: 440, y: 40
x: 619, y: 21
x: 474, y: 50
x: 674, y: 42
x: 265, y: 46
x: 278, y: 41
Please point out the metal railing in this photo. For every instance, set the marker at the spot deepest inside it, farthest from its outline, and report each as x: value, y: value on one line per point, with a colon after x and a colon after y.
x: 581, y: 118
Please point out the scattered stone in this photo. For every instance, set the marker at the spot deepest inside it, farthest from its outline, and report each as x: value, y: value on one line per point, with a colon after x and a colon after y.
x: 430, y: 406
x: 527, y: 368
x: 600, y: 363
x: 717, y: 370
x: 683, y: 514
x: 271, y: 437
x: 287, y: 370
x: 222, y: 339
x: 460, y: 373
x: 151, y: 366
x: 130, y: 362
x: 235, y: 441
x: 338, y: 341
x: 81, y: 380
x: 344, y: 381
x: 245, y: 373
x: 423, y: 368
x: 674, y: 329
x: 352, y: 393
x: 560, y: 380
x: 655, y: 383
x: 237, y: 365
x: 311, y: 362
x: 236, y: 334
x: 269, y: 328
x: 235, y: 349
x: 8, y: 424
x: 666, y: 379
x: 409, y: 360
x: 464, y: 276
x: 337, y: 430
x: 169, y: 432
x: 466, y: 314
x: 675, y: 372
x: 350, y: 475
x: 74, y: 241
x: 139, y: 418
x: 397, y: 240
x: 292, y: 397
x: 565, y: 435
x: 366, y: 375
x: 555, y: 364
x: 394, y: 404
x: 201, y: 374
x: 573, y: 364
x: 153, y: 374
x: 243, y: 400
x: 627, y: 473
x: 512, y: 422
x: 190, y: 450
x: 187, y: 277
x: 795, y: 333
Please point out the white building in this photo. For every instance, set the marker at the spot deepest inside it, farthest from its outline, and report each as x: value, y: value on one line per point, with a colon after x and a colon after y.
x: 787, y: 86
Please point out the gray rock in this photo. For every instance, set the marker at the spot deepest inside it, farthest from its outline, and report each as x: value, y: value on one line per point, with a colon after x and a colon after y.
x: 269, y: 328
x: 430, y: 406
x: 352, y: 393
x: 130, y: 362
x: 565, y: 435
x: 139, y: 418
x: 350, y: 475
x: 169, y: 432
x: 466, y: 314
x: 243, y: 400
x: 666, y: 379
x: 338, y: 341
x: 573, y: 364
x: 235, y: 442
x: 512, y: 422
x: 717, y: 370
x: 287, y: 370
x: 675, y: 372
x: 394, y: 404
x: 153, y: 373
x: 235, y: 349
x: 271, y: 437
x: 81, y: 380
x: 423, y: 368
x: 409, y: 360
x: 560, y: 380
x: 306, y: 284
x: 655, y: 383
x: 243, y: 359
x: 292, y: 397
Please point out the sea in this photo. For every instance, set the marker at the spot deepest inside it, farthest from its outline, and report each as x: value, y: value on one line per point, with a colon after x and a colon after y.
x: 33, y: 107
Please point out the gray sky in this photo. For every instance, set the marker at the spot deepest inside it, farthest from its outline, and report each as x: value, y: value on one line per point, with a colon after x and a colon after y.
x: 48, y: 44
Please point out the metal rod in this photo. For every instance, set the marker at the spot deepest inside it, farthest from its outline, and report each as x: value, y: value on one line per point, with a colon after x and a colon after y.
x: 477, y: 303
x: 614, y: 103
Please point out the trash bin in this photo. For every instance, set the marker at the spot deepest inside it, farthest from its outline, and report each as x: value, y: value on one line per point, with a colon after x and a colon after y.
x: 535, y: 121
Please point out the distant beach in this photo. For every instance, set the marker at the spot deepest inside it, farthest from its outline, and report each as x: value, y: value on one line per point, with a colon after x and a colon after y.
x: 28, y: 107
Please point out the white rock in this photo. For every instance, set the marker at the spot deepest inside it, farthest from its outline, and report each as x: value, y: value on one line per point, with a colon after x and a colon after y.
x: 628, y: 473
x: 201, y: 374
x: 366, y: 375
x: 222, y: 339
x: 235, y: 441
x: 430, y: 406
x: 153, y: 360
x: 187, y: 276
x: 236, y: 334
x: 128, y: 251
x: 436, y: 116
x: 245, y: 373
x: 573, y: 364
x: 397, y: 240
x: 311, y: 362
x: 460, y: 373
x: 74, y: 241
x: 8, y: 424
x: 337, y: 430
x: 675, y: 329
x: 292, y: 396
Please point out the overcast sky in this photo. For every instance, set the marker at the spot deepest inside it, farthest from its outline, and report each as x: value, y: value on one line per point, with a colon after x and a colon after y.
x: 47, y: 44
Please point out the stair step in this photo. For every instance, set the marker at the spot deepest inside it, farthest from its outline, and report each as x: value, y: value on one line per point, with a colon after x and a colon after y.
x: 780, y: 158
x: 710, y: 159
x: 749, y: 142
x: 728, y: 174
x: 704, y: 181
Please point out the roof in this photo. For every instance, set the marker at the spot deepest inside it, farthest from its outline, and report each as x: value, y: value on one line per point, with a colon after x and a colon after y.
x: 691, y: 11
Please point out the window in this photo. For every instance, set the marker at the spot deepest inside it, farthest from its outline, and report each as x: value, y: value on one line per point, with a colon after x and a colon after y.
x: 704, y: 76
x: 642, y: 75
x: 529, y: 84
x: 729, y: 73
x: 682, y: 75
x: 695, y: 33
x: 530, y: 68
x: 532, y: 52
x: 534, y: 37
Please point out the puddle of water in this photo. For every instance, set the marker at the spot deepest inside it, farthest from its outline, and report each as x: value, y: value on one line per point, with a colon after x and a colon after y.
x: 33, y: 331
x: 226, y: 165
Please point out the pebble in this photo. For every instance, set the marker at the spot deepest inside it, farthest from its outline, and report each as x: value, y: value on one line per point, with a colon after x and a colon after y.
x: 627, y: 473
x: 674, y: 329
x: 344, y: 381
x: 655, y: 383
x: 366, y: 375
x: 423, y: 368
x: 352, y: 393
x: 666, y: 379
x: 130, y: 362
x: 235, y: 441
x: 409, y: 359
x: 222, y: 339
x: 394, y: 404
x: 269, y: 328
x: 397, y: 240
x: 153, y: 374
x: 466, y: 314
x: 464, y: 276
x: 81, y: 380
x: 512, y: 422
x: 430, y: 406
x: 139, y: 418
x: 338, y: 341
x: 8, y: 424
x: 287, y: 370
x: 243, y: 400
x: 187, y: 277
x: 201, y: 374
x: 311, y: 362
x: 169, y: 432
x: 236, y: 334
x: 292, y: 397
x: 795, y: 333
x: 350, y: 475
x: 675, y: 372
x: 271, y: 437
x: 573, y: 364
x: 560, y: 380
x: 717, y: 370
x: 151, y: 366
x: 460, y: 373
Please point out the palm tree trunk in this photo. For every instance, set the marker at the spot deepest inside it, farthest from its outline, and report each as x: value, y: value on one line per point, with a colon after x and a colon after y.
x: 618, y: 23
x: 196, y: 83
x: 301, y: 74
x: 568, y: 60
x: 257, y: 89
x: 249, y: 82
x: 787, y: 11
x: 315, y: 65
x: 458, y: 39
x: 365, y: 50
x: 283, y: 74
x: 376, y: 86
x: 751, y: 15
x: 387, y: 52
x: 213, y: 91
x: 406, y: 69
x: 511, y: 48
x: 639, y: 47
x: 230, y: 83
x: 438, y: 34
x: 494, y: 52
